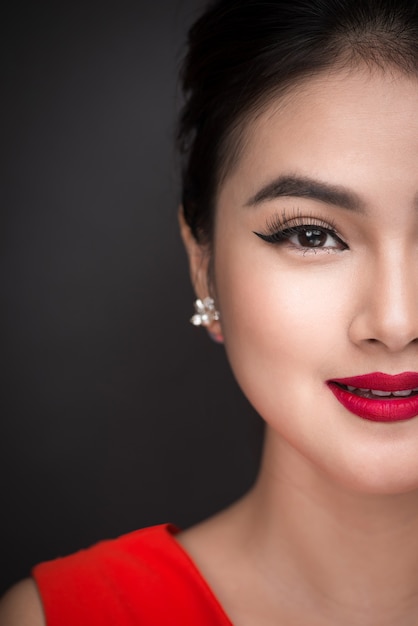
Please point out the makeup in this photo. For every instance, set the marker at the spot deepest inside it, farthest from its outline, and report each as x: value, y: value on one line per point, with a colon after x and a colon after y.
x: 378, y: 397
x: 309, y: 232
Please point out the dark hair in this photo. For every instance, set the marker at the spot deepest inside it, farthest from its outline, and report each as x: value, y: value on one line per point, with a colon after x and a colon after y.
x: 242, y: 52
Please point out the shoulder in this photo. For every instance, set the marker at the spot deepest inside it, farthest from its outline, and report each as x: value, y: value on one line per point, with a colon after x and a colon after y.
x: 21, y: 606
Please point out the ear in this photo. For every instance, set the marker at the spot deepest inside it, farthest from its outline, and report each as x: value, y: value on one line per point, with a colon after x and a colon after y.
x: 199, y: 258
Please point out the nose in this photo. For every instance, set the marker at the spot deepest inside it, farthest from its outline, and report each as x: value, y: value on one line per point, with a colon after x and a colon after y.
x: 387, y: 308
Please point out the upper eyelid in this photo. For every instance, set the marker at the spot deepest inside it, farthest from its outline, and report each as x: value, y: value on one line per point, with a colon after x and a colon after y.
x: 301, y: 227
x: 293, y: 218
x: 273, y: 229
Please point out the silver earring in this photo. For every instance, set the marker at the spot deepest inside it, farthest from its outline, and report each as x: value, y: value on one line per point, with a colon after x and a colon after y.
x: 206, y: 312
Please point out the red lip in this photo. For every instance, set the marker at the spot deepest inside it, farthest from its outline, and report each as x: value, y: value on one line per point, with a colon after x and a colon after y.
x: 379, y: 409
x: 384, y: 382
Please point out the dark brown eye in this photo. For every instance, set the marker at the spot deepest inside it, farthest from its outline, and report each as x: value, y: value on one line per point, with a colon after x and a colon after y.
x: 312, y: 238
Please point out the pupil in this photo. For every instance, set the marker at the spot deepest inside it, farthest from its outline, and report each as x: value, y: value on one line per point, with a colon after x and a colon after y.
x: 312, y: 238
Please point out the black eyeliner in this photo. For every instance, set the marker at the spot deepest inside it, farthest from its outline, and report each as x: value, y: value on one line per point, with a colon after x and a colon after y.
x: 281, y: 228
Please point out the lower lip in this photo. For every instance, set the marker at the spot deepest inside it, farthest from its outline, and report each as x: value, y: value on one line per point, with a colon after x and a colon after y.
x: 379, y: 410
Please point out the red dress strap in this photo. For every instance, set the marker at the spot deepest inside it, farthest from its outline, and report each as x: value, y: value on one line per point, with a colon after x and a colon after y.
x: 144, y: 578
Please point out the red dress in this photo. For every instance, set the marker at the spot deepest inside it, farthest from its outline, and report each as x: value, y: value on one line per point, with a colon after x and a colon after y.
x: 144, y: 578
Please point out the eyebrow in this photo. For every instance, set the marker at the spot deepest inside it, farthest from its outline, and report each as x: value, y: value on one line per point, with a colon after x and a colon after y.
x: 304, y: 187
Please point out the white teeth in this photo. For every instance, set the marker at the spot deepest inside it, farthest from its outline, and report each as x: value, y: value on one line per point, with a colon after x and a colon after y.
x: 384, y: 394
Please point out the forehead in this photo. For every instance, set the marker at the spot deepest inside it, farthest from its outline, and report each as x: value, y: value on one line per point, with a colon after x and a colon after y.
x: 348, y: 127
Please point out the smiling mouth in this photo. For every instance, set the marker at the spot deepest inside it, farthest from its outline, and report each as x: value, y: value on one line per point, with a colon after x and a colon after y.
x: 378, y: 397
x: 379, y: 394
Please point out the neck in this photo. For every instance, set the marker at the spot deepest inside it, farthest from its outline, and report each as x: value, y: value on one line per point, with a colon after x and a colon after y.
x: 351, y: 553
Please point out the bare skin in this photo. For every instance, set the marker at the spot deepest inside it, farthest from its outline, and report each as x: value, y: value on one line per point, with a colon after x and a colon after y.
x: 329, y: 533
x: 21, y: 606
x: 329, y: 559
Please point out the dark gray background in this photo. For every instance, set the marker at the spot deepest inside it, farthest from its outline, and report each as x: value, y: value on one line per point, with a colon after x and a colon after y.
x: 116, y: 412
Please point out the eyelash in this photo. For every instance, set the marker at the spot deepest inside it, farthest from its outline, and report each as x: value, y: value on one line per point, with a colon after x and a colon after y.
x: 281, y: 229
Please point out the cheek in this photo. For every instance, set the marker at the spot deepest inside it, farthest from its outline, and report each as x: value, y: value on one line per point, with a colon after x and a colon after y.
x: 284, y: 323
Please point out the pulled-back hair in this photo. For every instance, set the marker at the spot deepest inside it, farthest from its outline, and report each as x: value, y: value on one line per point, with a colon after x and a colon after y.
x: 243, y: 52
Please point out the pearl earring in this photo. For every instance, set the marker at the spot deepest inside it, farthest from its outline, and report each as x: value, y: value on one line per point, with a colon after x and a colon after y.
x: 205, y: 312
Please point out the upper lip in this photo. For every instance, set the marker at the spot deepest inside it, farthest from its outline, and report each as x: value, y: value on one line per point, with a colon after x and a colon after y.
x: 383, y: 382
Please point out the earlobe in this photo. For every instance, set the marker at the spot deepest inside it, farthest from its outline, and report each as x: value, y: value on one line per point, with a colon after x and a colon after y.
x: 216, y: 337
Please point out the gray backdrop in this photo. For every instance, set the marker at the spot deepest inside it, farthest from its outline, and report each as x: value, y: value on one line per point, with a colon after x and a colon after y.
x: 116, y: 412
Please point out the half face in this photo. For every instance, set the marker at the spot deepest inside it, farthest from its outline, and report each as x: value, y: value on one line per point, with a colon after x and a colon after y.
x: 316, y: 271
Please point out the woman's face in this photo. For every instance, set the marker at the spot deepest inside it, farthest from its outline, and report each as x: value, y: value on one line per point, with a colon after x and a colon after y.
x: 329, y: 177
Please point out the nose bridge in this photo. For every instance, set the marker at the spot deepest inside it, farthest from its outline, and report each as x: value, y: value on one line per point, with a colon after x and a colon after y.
x: 390, y: 308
